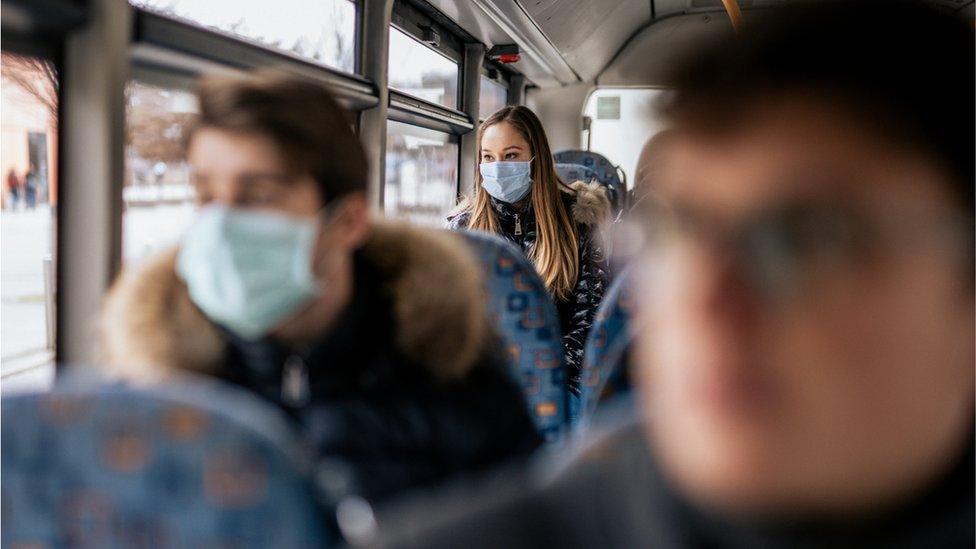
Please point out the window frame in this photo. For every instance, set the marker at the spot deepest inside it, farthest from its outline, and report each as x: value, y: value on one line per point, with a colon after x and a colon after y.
x: 184, y: 51
x: 501, y: 78
x: 459, y: 74
x: 42, y: 32
x: 452, y: 138
x: 170, y: 53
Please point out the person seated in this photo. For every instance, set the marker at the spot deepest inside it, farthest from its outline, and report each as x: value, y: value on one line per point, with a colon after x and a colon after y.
x: 372, y: 335
x: 557, y: 225
x: 648, y: 167
x: 805, y: 306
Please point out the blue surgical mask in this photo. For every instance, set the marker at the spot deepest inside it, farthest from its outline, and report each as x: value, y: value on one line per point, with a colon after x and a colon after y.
x: 507, y: 181
x: 248, y: 270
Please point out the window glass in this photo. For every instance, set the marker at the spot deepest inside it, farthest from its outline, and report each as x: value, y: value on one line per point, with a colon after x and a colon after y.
x: 420, y: 71
x: 323, y: 31
x: 29, y: 117
x: 493, y: 97
x: 623, y: 119
x: 421, y: 174
x: 157, y: 195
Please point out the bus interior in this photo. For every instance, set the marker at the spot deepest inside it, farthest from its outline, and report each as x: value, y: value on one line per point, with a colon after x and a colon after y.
x: 98, y: 98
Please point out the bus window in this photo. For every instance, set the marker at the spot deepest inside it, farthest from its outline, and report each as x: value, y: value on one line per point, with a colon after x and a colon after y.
x: 156, y: 193
x: 29, y: 105
x: 422, y: 72
x: 323, y: 31
x: 421, y: 174
x: 493, y: 97
x: 622, y: 121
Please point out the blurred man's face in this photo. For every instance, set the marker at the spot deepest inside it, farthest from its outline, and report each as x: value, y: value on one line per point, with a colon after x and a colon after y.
x: 807, y: 317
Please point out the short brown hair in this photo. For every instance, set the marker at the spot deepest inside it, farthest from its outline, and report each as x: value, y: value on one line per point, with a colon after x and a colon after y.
x: 311, y: 130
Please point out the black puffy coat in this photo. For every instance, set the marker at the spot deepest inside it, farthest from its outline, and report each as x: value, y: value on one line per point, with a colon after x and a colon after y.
x: 406, y: 391
x: 591, y: 209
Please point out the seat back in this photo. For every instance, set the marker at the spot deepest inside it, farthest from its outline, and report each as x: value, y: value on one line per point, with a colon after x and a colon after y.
x: 575, y: 172
x: 604, y: 171
x: 187, y: 466
x: 607, y: 348
x: 526, y: 318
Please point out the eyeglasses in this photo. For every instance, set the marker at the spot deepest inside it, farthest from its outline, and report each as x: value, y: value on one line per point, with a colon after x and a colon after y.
x: 782, y: 248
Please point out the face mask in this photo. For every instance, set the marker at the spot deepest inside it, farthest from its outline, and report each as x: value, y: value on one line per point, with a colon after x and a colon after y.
x: 248, y: 271
x: 506, y: 181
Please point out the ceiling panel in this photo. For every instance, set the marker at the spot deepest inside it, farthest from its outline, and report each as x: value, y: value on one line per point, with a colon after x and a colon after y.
x: 588, y: 32
x: 647, y: 58
x: 505, y: 22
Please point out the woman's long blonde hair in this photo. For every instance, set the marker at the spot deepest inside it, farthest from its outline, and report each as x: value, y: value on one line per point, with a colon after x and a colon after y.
x: 555, y: 252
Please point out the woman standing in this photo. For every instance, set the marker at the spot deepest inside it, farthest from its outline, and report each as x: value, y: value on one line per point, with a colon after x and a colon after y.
x: 520, y: 197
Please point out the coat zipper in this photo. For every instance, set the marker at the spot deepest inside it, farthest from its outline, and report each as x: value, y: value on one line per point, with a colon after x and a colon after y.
x: 518, y: 225
x: 295, y: 390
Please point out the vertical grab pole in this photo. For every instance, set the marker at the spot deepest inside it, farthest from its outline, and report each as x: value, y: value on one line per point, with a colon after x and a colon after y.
x: 516, y: 90
x: 92, y: 142
x: 49, y: 297
x: 374, y: 60
x: 474, y: 58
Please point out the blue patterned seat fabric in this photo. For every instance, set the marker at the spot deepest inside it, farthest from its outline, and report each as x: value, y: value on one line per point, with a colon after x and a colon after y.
x: 186, y: 466
x: 607, y: 348
x: 604, y: 171
x: 525, y: 316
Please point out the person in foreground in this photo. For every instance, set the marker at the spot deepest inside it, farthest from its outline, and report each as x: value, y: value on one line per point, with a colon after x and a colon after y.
x: 372, y: 335
x: 805, y: 353
x: 558, y: 225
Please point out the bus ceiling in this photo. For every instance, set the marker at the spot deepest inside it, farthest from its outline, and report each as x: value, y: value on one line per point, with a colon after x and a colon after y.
x: 566, y: 42
x: 604, y: 42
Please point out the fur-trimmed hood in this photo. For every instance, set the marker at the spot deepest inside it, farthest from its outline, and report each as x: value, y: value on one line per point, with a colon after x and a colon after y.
x: 591, y: 206
x: 149, y: 327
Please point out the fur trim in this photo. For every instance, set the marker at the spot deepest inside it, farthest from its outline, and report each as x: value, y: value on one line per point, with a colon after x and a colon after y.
x: 149, y: 327
x: 592, y: 206
x: 438, y: 296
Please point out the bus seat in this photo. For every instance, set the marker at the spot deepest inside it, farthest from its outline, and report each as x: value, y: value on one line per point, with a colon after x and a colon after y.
x: 525, y: 316
x: 607, y: 348
x: 575, y: 172
x: 606, y: 173
x: 180, y: 466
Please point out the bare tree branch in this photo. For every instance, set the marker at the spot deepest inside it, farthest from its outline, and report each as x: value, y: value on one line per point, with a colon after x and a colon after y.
x: 37, y: 77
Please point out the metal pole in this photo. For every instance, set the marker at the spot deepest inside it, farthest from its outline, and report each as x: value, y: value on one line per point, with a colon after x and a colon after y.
x: 474, y: 56
x: 92, y: 140
x: 374, y: 60
x: 516, y: 90
x: 49, y: 297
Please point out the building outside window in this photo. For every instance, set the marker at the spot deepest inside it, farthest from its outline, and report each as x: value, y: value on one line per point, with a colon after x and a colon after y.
x: 29, y: 120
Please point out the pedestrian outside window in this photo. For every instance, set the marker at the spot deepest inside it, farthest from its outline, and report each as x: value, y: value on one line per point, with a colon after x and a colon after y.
x: 29, y: 112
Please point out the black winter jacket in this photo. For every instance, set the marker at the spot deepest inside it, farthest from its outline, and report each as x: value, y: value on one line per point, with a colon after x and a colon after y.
x: 406, y: 391
x: 591, y: 209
